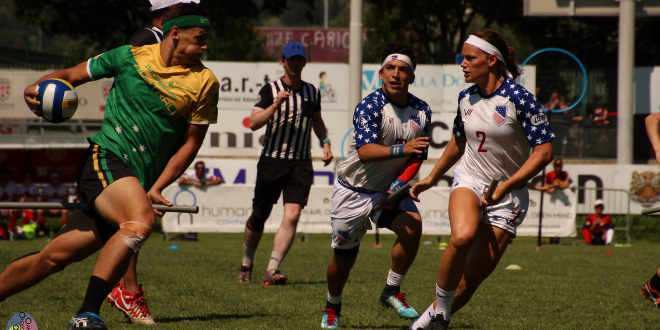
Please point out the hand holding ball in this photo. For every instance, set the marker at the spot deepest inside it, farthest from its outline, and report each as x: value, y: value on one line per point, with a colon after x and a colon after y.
x: 58, y: 100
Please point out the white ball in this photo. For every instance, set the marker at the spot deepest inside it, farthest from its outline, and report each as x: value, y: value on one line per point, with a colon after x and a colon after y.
x: 59, y: 100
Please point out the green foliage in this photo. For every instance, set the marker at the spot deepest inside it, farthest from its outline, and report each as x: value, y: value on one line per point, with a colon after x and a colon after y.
x: 194, y: 287
x: 97, y: 25
x: 435, y: 27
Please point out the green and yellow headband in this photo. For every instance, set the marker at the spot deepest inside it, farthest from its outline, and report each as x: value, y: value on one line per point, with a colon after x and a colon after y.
x: 186, y: 21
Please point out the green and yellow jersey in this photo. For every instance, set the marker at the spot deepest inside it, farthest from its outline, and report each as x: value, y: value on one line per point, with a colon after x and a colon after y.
x: 150, y: 105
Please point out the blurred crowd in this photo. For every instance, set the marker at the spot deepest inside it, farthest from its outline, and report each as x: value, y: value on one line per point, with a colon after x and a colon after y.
x: 585, y: 128
x: 30, y: 223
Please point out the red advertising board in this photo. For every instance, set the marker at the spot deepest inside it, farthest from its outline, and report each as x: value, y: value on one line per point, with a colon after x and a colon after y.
x: 323, y: 45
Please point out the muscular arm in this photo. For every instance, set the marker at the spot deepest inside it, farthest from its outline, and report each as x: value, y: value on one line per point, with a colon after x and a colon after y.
x: 259, y: 117
x: 179, y: 162
x: 372, y: 152
x: 184, y: 181
x: 322, y: 133
x: 76, y: 76
x: 214, y: 181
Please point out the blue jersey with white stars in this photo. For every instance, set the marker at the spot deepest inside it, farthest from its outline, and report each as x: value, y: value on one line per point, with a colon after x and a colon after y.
x: 377, y: 120
x: 500, y: 128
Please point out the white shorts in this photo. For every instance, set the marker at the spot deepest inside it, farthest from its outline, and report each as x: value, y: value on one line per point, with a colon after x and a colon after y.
x: 508, y: 214
x: 349, y: 216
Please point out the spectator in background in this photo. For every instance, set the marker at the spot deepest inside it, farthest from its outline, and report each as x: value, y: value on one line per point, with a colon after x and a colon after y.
x: 26, y: 192
x: 54, y: 192
x: 198, y: 178
x: 557, y: 179
x: 556, y: 102
x: 8, y: 190
x: 597, y: 112
x: 577, y: 112
x: 598, y: 228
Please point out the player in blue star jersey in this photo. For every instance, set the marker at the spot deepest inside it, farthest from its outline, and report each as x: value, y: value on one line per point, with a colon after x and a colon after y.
x: 497, y: 124
x: 390, y: 142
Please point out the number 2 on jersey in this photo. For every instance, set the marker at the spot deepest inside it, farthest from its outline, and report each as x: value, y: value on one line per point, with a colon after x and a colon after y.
x: 482, y: 135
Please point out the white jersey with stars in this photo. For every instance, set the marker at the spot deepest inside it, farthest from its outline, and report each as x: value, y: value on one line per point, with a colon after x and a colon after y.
x: 377, y: 120
x: 501, y: 128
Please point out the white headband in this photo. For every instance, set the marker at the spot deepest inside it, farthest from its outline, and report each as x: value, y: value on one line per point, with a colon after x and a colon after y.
x: 399, y: 57
x: 487, y: 48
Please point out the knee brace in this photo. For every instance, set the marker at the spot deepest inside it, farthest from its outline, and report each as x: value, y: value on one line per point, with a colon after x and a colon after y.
x: 348, y: 253
x: 258, y: 218
x: 139, y: 234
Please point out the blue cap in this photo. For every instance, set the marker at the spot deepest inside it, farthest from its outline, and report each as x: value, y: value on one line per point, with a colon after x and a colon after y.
x: 293, y: 48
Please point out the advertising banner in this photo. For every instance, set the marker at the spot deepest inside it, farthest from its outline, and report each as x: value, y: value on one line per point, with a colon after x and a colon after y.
x: 323, y: 45
x: 240, y: 83
x: 226, y: 209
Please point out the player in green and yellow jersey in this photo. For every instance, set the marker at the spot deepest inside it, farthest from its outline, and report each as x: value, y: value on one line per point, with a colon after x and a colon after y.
x: 156, y: 117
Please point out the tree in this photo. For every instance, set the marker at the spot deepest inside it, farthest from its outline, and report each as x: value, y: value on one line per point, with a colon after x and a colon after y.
x: 435, y: 27
x: 105, y: 24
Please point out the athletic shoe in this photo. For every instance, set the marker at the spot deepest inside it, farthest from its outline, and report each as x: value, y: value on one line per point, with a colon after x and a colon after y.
x: 274, y: 277
x: 330, y: 319
x: 650, y: 294
x: 131, y: 304
x: 438, y: 323
x: 245, y: 274
x: 90, y: 321
x: 398, y: 302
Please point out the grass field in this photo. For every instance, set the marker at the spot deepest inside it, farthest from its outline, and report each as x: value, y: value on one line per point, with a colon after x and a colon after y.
x: 194, y: 287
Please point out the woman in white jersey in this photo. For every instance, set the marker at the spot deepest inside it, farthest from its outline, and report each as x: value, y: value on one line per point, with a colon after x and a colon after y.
x: 497, y: 124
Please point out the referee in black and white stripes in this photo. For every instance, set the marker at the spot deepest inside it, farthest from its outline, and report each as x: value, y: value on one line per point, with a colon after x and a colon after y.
x: 290, y: 108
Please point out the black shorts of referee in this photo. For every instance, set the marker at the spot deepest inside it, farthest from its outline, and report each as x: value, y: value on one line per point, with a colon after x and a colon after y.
x: 292, y: 178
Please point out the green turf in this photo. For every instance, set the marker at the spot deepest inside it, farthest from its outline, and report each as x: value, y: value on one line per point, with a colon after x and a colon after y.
x: 194, y: 287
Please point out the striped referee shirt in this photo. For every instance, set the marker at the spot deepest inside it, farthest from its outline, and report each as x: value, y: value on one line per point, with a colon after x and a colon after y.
x: 289, y: 129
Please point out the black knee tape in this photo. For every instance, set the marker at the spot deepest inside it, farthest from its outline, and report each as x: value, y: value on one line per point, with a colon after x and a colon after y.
x: 348, y: 253
x: 258, y: 218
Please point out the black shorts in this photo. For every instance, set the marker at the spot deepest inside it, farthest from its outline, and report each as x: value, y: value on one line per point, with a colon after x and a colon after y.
x: 293, y: 177
x: 98, y: 168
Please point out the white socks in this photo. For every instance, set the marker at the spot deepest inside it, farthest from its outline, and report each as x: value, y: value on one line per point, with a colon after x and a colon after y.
x: 334, y: 300
x: 443, y: 300
x: 394, y: 279
x: 608, y: 236
x: 275, y: 260
x: 424, y: 319
x: 248, y: 256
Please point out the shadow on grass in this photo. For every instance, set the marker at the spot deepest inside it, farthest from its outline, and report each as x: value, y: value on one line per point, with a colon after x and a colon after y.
x: 463, y: 326
x: 379, y: 327
x: 208, y: 317
x: 307, y: 282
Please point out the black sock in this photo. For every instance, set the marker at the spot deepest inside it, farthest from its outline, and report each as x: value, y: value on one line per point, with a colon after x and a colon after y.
x: 334, y: 307
x: 655, y: 282
x: 390, y: 290
x: 97, y: 290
